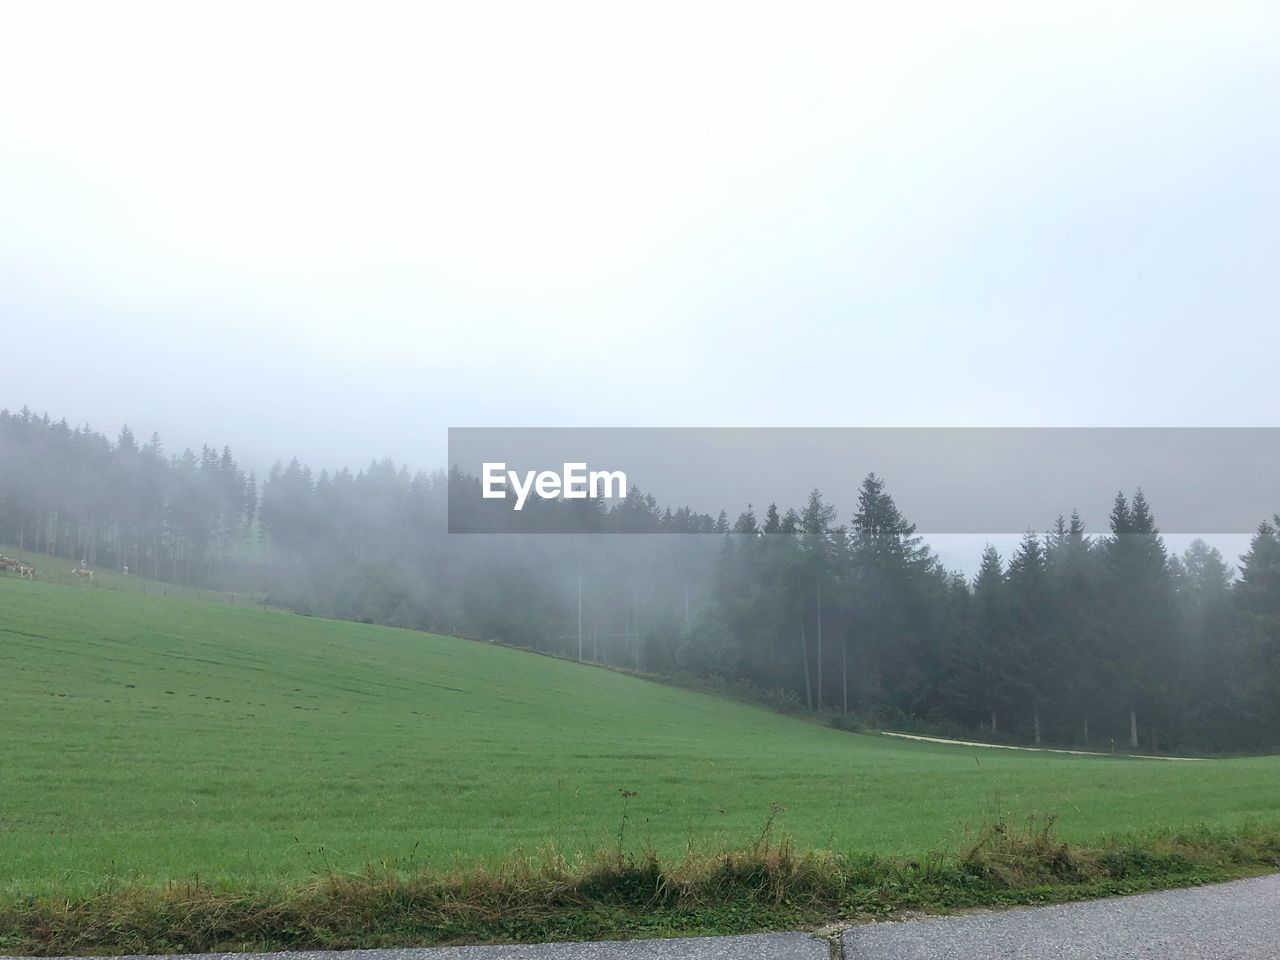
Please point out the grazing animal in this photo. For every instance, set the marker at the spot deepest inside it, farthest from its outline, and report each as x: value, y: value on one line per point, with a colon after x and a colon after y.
x: 28, y: 572
x: 7, y: 564
x: 81, y: 572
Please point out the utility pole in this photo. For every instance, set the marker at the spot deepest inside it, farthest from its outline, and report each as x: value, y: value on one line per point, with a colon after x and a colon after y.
x: 819, y: 646
x: 844, y: 674
x: 579, y: 616
x: 635, y: 625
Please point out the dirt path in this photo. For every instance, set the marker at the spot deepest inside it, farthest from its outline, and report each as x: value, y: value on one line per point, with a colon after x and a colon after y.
x: 1004, y: 746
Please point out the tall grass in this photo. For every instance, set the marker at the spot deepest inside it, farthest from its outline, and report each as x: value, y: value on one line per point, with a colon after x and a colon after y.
x: 547, y: 897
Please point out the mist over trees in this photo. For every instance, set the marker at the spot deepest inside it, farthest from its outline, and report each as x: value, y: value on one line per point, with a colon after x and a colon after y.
x: 72, y: 493
x: 1071, y: 640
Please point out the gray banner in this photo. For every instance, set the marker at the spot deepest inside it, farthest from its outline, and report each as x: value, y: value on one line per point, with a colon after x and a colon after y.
x: 946, y: 480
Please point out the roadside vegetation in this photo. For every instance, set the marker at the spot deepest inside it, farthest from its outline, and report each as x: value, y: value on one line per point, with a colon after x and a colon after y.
x: 615, y: 894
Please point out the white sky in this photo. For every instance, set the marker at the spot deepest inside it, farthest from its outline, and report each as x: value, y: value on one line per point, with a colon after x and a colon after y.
x: 332, y: 235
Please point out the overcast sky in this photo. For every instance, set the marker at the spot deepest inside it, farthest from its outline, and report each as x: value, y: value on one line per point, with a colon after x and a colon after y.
x: 333, y: 236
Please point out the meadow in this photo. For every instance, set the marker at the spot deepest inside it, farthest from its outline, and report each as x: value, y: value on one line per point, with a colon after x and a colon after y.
x: 149, y: 739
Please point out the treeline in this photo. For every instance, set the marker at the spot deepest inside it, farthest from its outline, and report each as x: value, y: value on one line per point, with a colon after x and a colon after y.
x: 1072, y: 640
x: 373, y: 545
x: 1085, y: 641
x: 73, y: 493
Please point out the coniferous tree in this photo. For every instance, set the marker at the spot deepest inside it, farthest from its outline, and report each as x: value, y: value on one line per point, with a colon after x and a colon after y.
x: 992, y: 638
x: 1258, y: 603
x: 1031, y: 613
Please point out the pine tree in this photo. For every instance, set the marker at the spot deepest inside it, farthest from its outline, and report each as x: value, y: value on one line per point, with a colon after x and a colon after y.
x: 1080, y: 649
x: 1257, y: 598
x: 991, y: 636
x: 895, y: 588
x: 1032, y: 645
x: 1144, y: 624
x: 815, y: 525
x: 746, y: 522
x: 772, y: 522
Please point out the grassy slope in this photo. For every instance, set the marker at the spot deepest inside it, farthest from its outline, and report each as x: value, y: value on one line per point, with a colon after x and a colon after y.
x: 59, y: 570
x: 148, y: 739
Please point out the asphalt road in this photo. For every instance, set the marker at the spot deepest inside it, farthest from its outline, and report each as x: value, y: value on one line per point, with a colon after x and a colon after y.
x: 1229, y: 921
x: 764, y: 946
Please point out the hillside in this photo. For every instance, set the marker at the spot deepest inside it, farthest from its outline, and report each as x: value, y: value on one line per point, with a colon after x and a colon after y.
x: 59, y: 570
x: 153, y: 738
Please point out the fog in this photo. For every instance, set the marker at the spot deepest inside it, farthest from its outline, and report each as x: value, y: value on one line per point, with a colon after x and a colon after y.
x: 300, y: 233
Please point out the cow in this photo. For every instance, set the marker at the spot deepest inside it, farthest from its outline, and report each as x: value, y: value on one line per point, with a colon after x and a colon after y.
x: 82, y: 573
x: 28, y: 572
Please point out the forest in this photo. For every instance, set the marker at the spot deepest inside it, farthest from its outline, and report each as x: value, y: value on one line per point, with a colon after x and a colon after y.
x: 1094, y: 641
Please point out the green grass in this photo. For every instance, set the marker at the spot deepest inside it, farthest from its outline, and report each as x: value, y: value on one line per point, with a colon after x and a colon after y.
x: 149, y: 740
x: 58, y: 570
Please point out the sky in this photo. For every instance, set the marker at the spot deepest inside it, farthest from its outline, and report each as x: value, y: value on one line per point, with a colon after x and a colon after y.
x: 333, y: 234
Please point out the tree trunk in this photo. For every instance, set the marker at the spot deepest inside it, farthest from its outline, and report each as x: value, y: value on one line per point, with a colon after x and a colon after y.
x: 1035, y: 716
x: 993, y: 721
x: 1086, y: 728
x: 804, y: 653
x: 1133, y: 728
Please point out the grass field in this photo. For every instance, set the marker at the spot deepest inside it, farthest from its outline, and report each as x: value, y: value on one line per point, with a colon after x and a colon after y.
x: 58, y: 570
x: 150, y: 739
